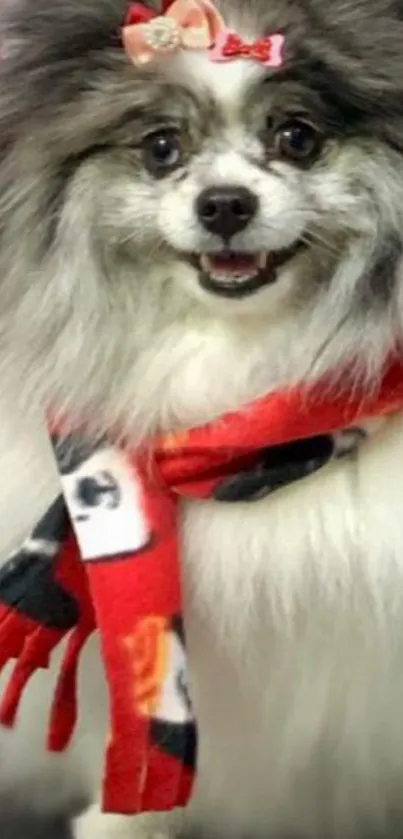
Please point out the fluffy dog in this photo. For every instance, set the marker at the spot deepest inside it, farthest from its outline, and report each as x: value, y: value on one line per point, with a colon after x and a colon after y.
x: 175, y: 240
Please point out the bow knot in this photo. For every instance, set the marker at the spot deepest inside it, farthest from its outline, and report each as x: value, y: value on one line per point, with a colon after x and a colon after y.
x: 259, y: 50
x: 267, y: 51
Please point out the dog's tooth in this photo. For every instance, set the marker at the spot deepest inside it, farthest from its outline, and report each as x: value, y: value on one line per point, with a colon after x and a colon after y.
x: 205, y: 263
x: 262, y: 260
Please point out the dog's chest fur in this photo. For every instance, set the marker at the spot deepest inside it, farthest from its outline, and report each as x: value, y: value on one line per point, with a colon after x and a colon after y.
x: 295, y: 637
x: 296, y: 640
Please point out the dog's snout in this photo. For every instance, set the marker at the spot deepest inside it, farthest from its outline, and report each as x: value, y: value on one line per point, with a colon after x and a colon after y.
x: 226, y: 210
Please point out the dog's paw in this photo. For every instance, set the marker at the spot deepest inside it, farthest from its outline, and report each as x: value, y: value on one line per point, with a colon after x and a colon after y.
x: 93, y: 824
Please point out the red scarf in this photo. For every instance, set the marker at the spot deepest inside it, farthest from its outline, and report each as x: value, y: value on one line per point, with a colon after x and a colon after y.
x: 123, y: 580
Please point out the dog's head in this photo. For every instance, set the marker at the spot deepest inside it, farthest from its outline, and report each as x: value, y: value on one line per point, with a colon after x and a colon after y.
x: 135, y: 198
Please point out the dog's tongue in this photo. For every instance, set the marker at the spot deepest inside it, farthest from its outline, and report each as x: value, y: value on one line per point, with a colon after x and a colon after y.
x: 235, y: 263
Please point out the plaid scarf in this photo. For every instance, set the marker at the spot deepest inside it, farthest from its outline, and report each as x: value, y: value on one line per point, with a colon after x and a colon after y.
x: 105, y: 557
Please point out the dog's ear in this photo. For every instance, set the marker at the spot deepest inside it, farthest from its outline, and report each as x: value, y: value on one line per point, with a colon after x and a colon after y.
x: 52, y: 50
x: 60, y: 27
x: 397, y: 6
x: 356, y: 46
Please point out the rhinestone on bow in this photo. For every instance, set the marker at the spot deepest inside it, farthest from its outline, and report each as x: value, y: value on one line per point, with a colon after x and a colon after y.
x: 163, y: 33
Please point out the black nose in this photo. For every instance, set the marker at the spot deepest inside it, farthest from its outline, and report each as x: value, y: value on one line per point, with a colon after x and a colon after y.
x: 226, y: 210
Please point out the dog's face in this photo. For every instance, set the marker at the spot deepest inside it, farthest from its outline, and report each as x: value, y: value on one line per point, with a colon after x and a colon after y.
x: 131, y: 197
x: 239, y: 187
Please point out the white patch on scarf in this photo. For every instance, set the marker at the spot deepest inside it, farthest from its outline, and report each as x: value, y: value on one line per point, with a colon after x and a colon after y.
x: 104, y: 499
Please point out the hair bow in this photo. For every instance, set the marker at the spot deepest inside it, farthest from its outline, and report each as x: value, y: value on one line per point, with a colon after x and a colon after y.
x: 267, y: 51
x: 194, y: 25
x: 190, y: 24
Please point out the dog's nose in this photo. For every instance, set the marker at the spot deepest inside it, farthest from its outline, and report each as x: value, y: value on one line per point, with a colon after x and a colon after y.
x: 226, y: 210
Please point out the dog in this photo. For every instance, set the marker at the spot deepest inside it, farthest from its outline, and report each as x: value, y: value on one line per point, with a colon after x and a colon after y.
x: 177, y: 238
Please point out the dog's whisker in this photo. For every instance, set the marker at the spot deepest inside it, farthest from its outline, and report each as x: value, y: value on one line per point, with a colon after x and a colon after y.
x: 311, y: 237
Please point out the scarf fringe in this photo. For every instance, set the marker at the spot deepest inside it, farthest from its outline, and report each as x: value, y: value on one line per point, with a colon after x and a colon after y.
x: 31, y: 645
x: 34, y: 655
x: 63, y: 715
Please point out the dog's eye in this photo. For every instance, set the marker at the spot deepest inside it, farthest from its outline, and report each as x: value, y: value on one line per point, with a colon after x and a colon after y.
x: 299, y: 141
x: 162, y: 152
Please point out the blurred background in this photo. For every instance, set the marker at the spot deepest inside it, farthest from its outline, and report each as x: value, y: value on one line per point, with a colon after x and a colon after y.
x: 14, y: 826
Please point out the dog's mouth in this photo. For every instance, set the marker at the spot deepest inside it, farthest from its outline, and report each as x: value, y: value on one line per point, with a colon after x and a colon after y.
x: 237, y: 275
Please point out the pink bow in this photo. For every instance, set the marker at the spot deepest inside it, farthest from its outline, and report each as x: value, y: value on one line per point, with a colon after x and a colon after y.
x: 188, y: 24
x: 267, y: 51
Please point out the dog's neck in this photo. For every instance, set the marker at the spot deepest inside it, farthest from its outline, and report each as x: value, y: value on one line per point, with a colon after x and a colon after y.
x: 190, y: 373
x: 158, y: 367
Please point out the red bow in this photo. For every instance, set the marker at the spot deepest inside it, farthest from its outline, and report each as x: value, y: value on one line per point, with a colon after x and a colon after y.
x: 139, y: 13
x: 259, y: 50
